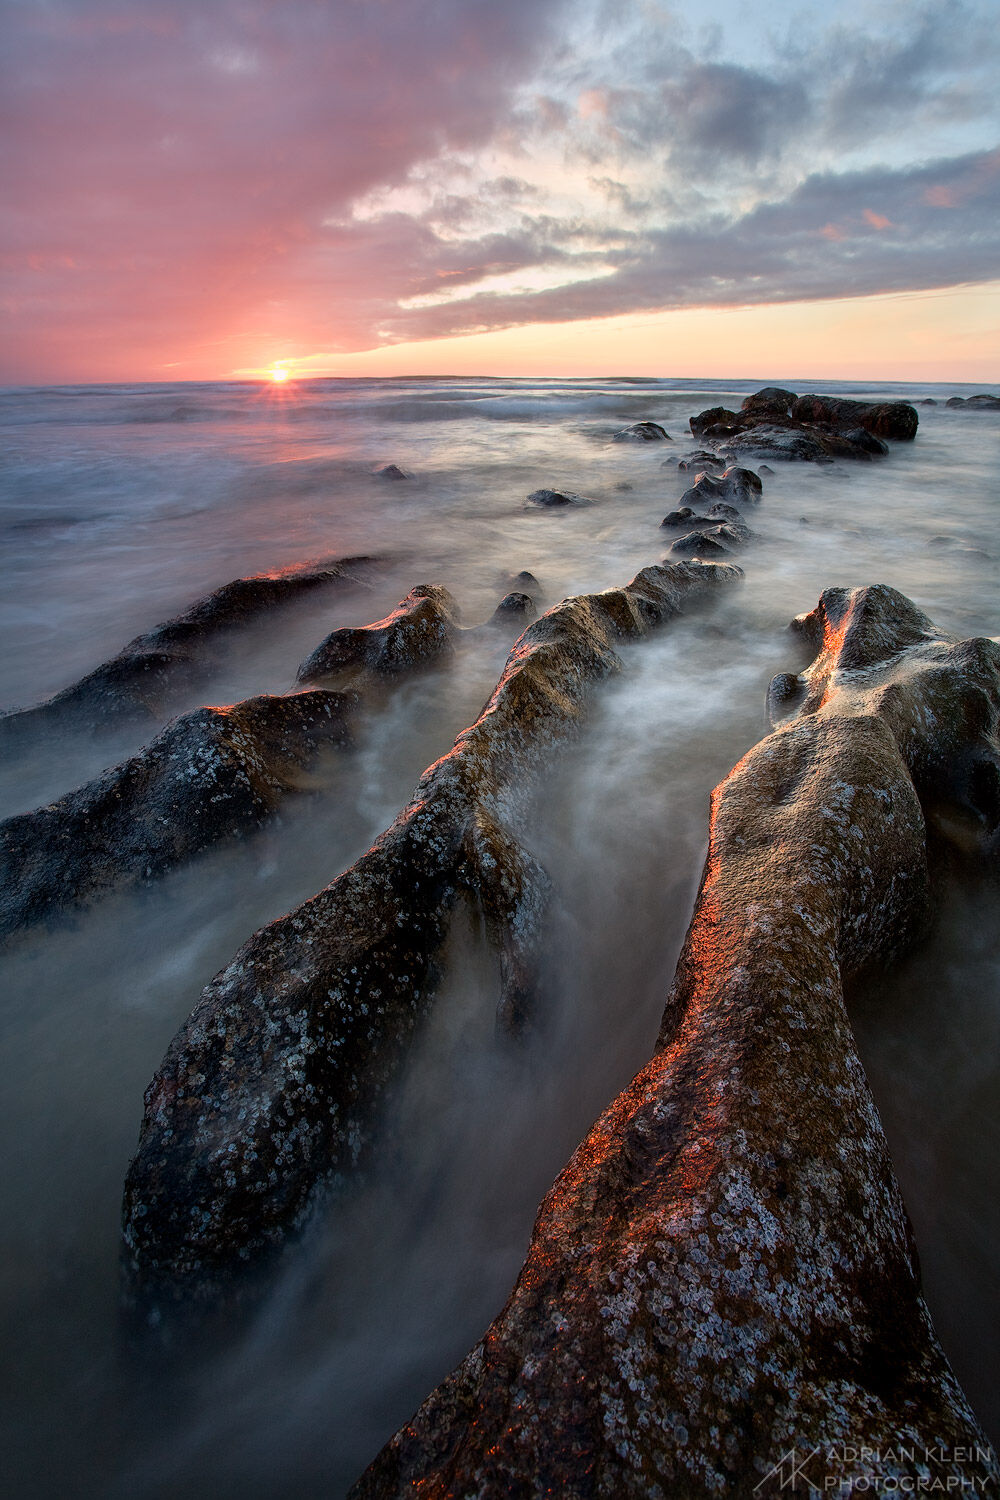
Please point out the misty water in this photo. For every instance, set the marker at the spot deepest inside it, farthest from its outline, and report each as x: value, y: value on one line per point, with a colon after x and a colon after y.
x: 122, y: 505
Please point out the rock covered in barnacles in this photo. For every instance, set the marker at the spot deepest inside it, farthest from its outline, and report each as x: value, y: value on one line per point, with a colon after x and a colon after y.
x: 138, y: 684
x: 722, y: 1282
x: 642, y: 432
x: 268, y: 1093
x: 213, y: 773
x: 420, y: 630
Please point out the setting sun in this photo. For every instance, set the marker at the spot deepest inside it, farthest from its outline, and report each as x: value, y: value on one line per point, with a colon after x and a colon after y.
x: 278, y: 374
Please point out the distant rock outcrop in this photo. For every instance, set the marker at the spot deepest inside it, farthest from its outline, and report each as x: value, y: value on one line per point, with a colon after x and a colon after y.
x: 775, y: 423
x: 722, y: 1285
x: 642, y: 432
x: 983, y: 402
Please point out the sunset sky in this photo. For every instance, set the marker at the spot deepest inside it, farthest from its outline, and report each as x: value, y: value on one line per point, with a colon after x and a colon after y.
x: 196, y: 190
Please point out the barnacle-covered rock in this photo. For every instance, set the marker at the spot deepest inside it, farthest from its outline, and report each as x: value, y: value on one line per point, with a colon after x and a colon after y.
x: 268, y: 1093
x: 721, y: 1293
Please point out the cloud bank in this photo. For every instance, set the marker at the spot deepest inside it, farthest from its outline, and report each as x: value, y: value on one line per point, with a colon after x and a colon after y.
x: 185, y: 184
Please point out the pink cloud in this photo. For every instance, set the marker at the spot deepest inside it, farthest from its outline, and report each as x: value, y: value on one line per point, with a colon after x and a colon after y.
x: 877, y: 221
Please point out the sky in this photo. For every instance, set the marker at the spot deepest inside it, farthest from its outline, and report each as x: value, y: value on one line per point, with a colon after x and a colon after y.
x: 566, y: 187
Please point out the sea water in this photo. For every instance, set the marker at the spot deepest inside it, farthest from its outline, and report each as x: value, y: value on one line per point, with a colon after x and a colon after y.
x: 120, y: 505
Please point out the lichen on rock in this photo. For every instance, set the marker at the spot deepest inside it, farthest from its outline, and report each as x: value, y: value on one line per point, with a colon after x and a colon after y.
x: 724, y: 1275
x: 268, y: 1094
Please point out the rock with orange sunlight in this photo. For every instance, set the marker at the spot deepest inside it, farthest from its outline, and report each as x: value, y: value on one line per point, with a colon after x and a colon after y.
x: 268, y: 1096
x: 722, y: 1295
x: 150, y: 676
x: 421, y: 630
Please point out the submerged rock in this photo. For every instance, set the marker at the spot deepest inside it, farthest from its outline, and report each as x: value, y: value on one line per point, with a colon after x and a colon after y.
x: 392, y: 471
x: 701, y: 458
x: 137, y: 685
x: 642, y: 432
x: 212, y: 774
x: 550, y: 499
x: 722, y: 1282
x: 268, y: 1094
x: 420, y: 630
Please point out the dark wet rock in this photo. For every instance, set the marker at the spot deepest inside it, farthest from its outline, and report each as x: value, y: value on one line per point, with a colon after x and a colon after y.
x: 642, y: 432
x: 777, y: 424
x: 683, y: 516
x: 885, y: 419
x: 764, y: 471
x: 701, y: 458
x: 866, y: 441
x: 268, y: 1094
x: 623, y: 486
x: 983, y: 402
x: 724, y: 1273
x: 514, y: 609
x: 212, y: 774
x: 735, y: 485
x: 138, y: 685
x: 551, y: 499
x: 771, y: 401
x: 392, y: 471
x: 715, y: 416
x: 710, y: 541
x: 789, y: 444
x: 421, y: 630
x: 927, y: 401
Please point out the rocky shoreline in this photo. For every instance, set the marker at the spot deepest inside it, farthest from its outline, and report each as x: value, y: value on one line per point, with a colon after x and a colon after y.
x: 724, y: 1272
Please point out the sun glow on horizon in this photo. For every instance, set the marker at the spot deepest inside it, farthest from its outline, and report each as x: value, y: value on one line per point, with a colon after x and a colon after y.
x: 277, y: 374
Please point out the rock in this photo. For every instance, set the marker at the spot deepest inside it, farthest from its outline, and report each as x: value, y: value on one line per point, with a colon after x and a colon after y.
x: 392, y: 471
x: 771, y: 401
x: 642, y: 432
x: 722, y: 1281
x: 212, y: 774
x: 699, y: 459
x: 927, y: 401
x: 734, y: 485
x: 684, y: 516
x: 548, y: 499
x: 789, y: 444
x: 715, y: 416
x: 623, y: 487
x: 712, y: 540
x: 887, y: 419
x: 983, y: 402
x: 866, y: 441
x: 268, y: 1094
x: 516, y: 608
x: 764, y: 471
x: 137, y: 685
x: 420, y: 630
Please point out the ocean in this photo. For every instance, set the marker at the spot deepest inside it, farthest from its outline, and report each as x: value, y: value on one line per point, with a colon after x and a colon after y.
x: 120, y: 506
